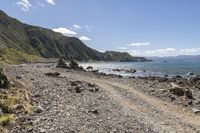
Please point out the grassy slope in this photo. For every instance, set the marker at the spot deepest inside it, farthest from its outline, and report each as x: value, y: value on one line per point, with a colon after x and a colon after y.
x: 12, y: 56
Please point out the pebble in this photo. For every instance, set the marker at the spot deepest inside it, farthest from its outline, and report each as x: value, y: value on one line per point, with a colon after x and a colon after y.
x: 196, y: 111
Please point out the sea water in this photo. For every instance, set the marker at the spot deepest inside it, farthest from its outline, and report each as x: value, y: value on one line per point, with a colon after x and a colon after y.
x: 155, y: 68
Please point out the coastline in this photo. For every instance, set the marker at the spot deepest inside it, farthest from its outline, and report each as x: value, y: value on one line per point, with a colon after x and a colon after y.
x: 80, y: 101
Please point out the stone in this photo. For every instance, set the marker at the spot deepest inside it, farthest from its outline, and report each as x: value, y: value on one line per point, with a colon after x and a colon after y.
x: 18, y: 77
x: 95, y: 71
x: 74, y: 65
x: 18, y: 107
x: 91, y: 84
x: 4, y: 82
x: 39, y: 109
x: 94, y: 89
x: 89, y: 68
x: 116, y: 70
x: 79, y: 89
x: 94, y: 111
x: 62, y: 64
x: 196, y: 111
x: 178, y: 76
x: 53, y: 74
x: 1, y: 112
x: 177, y: 90
x: 75, y: 83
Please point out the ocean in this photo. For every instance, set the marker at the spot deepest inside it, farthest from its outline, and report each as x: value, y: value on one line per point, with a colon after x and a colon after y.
x: 155, y: 68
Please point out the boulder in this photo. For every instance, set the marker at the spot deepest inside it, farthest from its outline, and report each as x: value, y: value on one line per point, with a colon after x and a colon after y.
x: 131, y: 71
x: 180, y: 91
x: 196, y: 111
x: 116, y: 70
x: 79, y: 89
x: 75, y: 83
x: 89, y: 68
x: 177, y: 90
x: 62, y: 64
x: 74, y: 65
x: 91, y: 84
x: 52, y: 74
x: 39, y: 109
x: 4, y: 82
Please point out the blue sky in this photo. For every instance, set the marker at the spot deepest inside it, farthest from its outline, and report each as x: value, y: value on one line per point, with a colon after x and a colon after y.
x: 140, y: 27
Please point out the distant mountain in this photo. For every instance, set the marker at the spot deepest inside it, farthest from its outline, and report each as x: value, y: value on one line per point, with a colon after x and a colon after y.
x: 177, y: 58
x: 123, y: 56
x: 49, y: 44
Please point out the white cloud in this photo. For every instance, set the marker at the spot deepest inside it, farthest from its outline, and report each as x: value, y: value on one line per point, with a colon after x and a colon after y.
x: 121, y: 48
x: 84, y: 38
x: 190, y: 50
x: 76, y: 26
x: 161, y: 52
x: 52, y: 2
x: 41, y: 4
x: 164, y: 52
x: 88, y: 28
x: 64, y: 31
x: 24, y: 5
x: 155, y: 52
x: 137, y: 44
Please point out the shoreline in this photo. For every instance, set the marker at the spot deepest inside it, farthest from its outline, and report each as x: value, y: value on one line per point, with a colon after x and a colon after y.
x: 80, y: 101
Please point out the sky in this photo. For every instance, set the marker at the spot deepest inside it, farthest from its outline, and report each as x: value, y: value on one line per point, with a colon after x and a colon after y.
x: 139, y: 27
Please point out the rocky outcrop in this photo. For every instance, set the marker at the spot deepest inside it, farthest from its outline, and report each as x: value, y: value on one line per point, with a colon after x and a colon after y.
x: 180, y: 91
x: 62, y: 64
x: 4, y: 82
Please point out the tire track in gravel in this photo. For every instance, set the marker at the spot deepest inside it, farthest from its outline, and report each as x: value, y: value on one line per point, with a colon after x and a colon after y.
x: 160, y: 116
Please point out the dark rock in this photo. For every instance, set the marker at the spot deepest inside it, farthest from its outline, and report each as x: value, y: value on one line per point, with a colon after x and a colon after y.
x: 102, y: 74
x: 53, y: 74
x: 1, y: 112
x: 73, y: 65
x: 177, y: 90
x: 89, y: 68
x: 180, y: 91
x: 178, y: 76
x: 131, y: 71
x: 62, y: 64
x: 197, y: 102
x: 116, y: 70
x: 190, y: 73
x: 196, y: 111
x: 95, y: 71
x: 166, y: 75
x: 94, y: 89
x: 190, y: 102
x: 95, y: 111
x: 79, y: 89
x: 4, y: 82
x: 39, y: 109
x: 172, y: 98
x: 18, y: 77
x: 188, y: 94
x: 75, y: 83
x: 91, y: 84
x: 161, y: 79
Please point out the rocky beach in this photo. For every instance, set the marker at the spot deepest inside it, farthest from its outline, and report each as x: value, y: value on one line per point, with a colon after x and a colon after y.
x: 77, y: 100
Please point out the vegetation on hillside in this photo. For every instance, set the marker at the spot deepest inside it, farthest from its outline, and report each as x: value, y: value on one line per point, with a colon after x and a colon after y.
x: 12, y: 56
